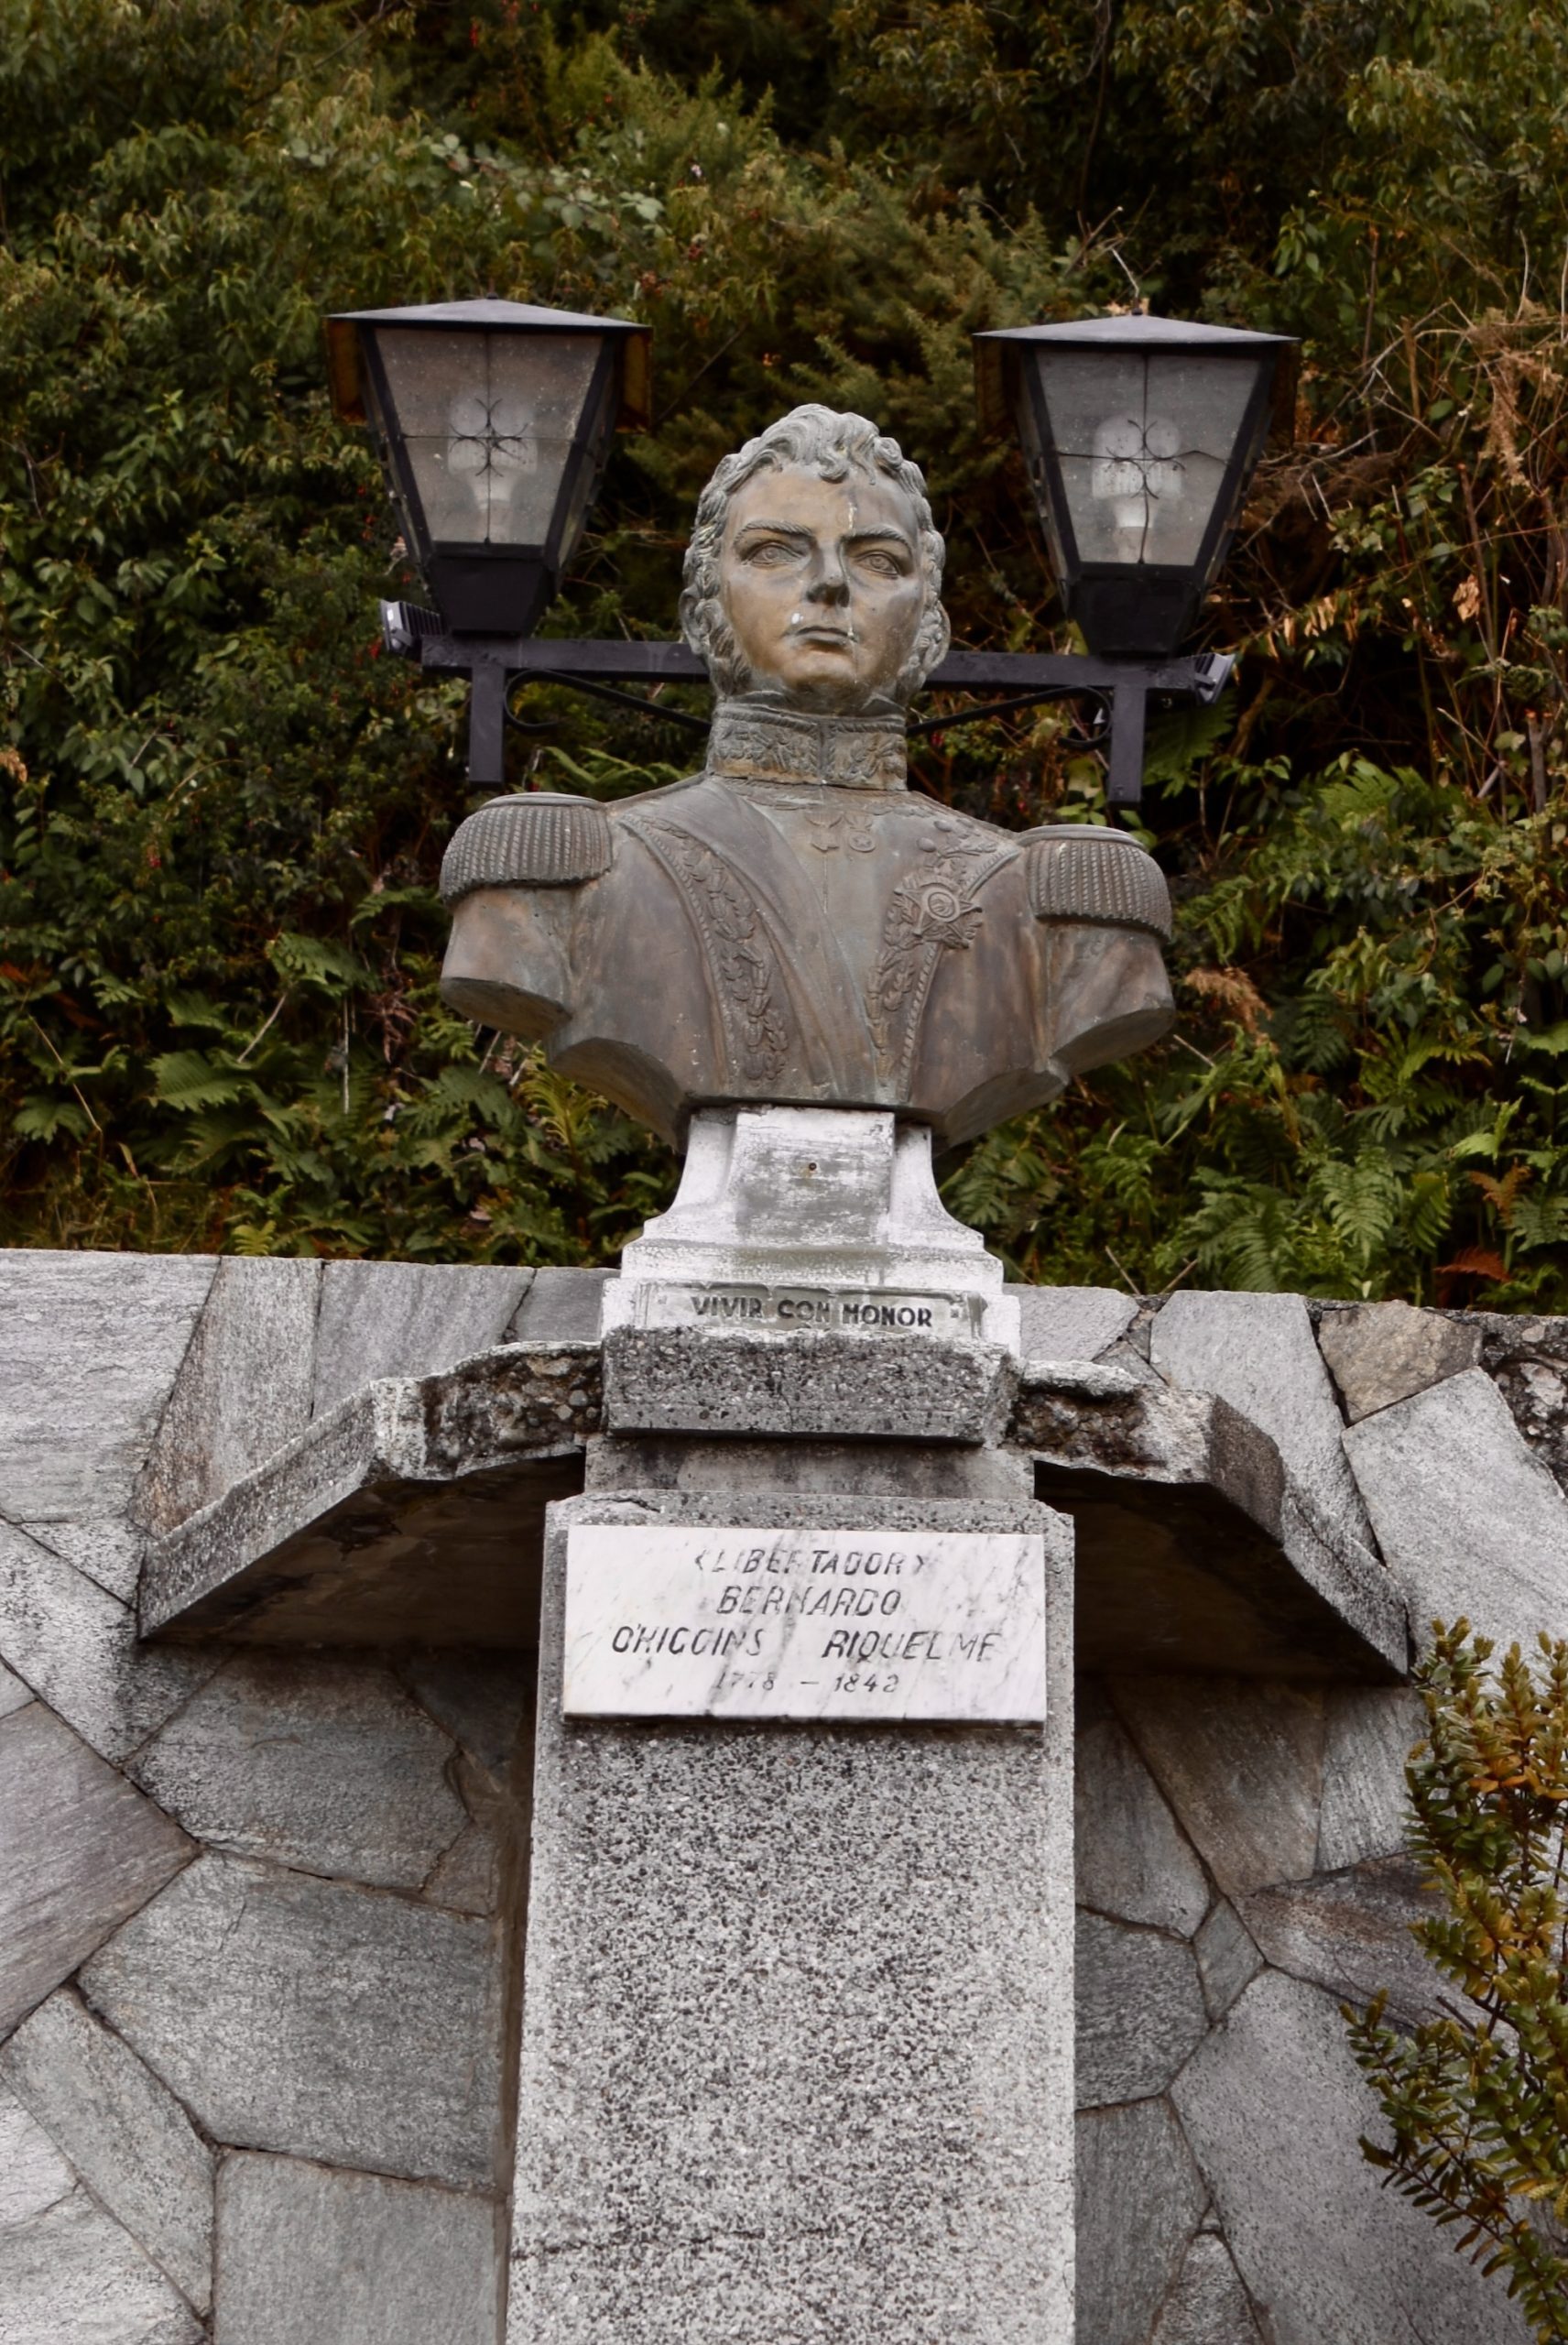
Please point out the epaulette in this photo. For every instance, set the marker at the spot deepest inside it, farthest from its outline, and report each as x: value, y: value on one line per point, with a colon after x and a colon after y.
x: 1083, y: 873
x: 539, y: 841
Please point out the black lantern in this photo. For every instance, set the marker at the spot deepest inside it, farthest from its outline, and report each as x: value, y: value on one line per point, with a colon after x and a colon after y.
x: 1141, y: 435
x: 494, y: 421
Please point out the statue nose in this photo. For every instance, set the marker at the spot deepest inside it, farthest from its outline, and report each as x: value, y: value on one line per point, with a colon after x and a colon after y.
x: 829, y: 579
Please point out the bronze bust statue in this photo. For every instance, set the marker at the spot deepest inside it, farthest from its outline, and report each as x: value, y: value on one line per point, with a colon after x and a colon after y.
x: 793, y: 925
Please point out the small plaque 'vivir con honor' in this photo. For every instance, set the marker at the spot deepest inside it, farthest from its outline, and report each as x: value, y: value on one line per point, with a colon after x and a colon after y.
x: 674, y: 1621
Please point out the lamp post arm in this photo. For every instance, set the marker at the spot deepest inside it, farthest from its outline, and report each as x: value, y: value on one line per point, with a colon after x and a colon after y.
x: 594, y: 690
x: 1026, y: 677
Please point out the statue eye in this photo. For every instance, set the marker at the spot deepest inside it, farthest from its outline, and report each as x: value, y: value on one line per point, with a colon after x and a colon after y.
x: 769, y: 555
x: 882, y: 564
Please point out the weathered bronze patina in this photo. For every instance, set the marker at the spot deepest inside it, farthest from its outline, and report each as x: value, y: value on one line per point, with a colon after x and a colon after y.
x: 793, y: 925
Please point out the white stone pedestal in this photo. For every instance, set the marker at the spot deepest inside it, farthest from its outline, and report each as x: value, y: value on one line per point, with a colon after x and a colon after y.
x: 790, y: 1217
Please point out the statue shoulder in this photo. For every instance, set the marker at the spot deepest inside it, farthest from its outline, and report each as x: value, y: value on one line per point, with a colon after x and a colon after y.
x: 1081, y: 872
x: 543, y: 840
x: 680, y: 805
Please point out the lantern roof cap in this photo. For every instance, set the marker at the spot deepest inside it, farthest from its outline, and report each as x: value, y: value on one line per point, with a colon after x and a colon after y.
x: 999, y: 351
x: 487, y: 315
x: 484, y: 312
x: 1143, y: 331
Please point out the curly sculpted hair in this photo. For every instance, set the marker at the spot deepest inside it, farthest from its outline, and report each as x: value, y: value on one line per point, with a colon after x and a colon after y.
x: 810, y: 439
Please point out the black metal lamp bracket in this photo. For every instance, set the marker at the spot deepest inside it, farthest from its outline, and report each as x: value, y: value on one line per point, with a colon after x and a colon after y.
x: 495, y: 662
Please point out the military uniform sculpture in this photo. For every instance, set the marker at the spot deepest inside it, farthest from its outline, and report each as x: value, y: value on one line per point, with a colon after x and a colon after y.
x: 793, y: 926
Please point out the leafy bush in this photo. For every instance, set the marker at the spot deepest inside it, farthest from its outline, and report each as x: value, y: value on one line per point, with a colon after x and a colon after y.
x: 1476, y: 2102
x: 222, y: 813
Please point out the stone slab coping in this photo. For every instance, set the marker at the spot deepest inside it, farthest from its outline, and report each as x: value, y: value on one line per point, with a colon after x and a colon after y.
x: 414, y: 1510
x: 1196, y: 1548
x: 411, y: 1511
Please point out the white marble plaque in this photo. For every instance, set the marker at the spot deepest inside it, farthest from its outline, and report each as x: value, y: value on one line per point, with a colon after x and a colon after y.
x: 673, y: 1621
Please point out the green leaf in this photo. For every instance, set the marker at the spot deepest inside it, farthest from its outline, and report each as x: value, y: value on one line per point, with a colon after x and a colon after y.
x: 187, y: 1080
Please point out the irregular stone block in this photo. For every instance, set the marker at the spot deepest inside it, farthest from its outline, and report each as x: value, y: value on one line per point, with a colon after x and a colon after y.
x: 1208, y: 2306
x: 1370, y: 1732
x: 1350, y: 1931
x: 126, y: 2136
x: 1258, y: 1352
x: 484, y: 1700
x: 1124, y: 1354
x: 72, y: 2276
x: 406, y: 1319
x: 1470, y: 1521
x: 1132, y: 1862
x: 309, y: 2017
x: 885, y: 1388
x: 1140, y: 2197
x: 324, y: 1765
x: 1194, y: 1547
x: 1072, y: 1321
x: 561, y: 1306
x: 93, y: 1342
x: 83, y: 1849
x: 1240, y: 1762
x: 1527, y: 1361
x: 1099, y: 1418
x: 312, y: 2257
x: 468, y: 1877
x: 1382, y: 1352
x: 76, y: 1646
x: 33, y: 2174
x: 244, y: 1387
x: 108, y: 1548
x: 1140, y: 2010
x: 1227, y: 1959
x: 1273, y: 2106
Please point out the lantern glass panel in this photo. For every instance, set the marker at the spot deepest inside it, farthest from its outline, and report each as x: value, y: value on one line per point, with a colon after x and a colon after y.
x: 598, y: 427
x: 489, y: 425
x: 1144, y: 445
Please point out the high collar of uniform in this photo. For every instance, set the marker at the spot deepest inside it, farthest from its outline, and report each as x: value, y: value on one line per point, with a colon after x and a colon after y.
x: 754, y: 741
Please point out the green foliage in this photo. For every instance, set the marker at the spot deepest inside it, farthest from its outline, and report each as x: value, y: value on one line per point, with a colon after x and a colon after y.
x: 221, y: 813
x: 1476, y: 2102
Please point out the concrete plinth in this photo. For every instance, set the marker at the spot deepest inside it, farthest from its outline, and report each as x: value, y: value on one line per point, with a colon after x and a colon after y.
x: 798, y: 2023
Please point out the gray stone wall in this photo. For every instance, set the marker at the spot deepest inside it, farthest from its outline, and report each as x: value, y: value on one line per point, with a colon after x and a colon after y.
x: 259, y: 1913
x: 1240, y: 1869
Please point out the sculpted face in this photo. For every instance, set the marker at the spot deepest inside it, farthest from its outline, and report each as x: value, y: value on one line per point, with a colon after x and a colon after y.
x: 821, y: 582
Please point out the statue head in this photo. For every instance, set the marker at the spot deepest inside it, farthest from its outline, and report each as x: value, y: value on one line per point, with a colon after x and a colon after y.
x: 813, y: 576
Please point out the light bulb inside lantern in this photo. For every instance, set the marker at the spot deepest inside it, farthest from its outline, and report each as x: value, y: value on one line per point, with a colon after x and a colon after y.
x: 492, y: 445
x: 1135, y: 464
